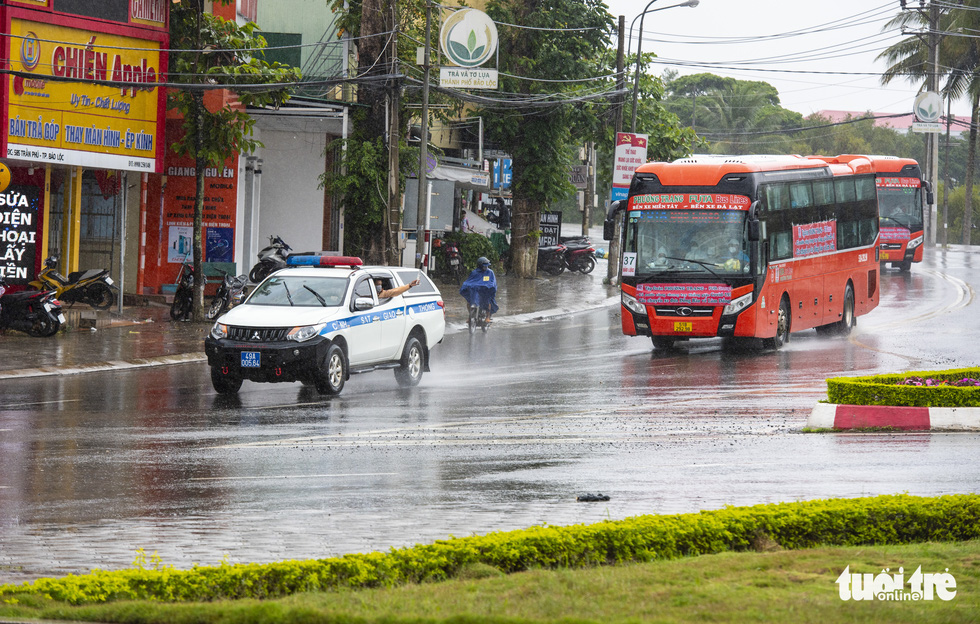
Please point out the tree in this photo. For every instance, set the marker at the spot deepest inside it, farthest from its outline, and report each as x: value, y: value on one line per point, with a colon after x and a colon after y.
x: 375, y: 157
x: 959, y: 63
x: 546, y: 69
x: 208, y: 52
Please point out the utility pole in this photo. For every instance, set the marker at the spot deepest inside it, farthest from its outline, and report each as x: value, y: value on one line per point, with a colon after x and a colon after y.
x: 612, y: 270
x: 394, y: 102
x: 933, y: 151
x: 420, y: 246
x: 587, y: 205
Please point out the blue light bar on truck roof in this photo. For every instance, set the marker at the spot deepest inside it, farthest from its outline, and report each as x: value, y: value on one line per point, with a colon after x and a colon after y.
x: 320, y: 260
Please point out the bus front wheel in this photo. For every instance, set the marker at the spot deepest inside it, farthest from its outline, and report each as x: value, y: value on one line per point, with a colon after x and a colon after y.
x: 663, y: 342
x: 846, y: 321
x: 782, y: 328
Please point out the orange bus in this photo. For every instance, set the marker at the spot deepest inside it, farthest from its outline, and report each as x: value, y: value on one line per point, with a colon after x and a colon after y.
x: 747, y: 247
x: 900, y: 207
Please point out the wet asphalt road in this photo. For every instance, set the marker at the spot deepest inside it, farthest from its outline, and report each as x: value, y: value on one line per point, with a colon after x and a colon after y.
x: 504, y: 433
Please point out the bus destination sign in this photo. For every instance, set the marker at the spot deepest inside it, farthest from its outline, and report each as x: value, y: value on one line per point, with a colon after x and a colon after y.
x: 697, y: 201
x: 684, y: 294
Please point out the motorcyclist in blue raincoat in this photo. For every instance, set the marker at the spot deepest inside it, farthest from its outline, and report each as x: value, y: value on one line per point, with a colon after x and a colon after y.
x: 480, y: 288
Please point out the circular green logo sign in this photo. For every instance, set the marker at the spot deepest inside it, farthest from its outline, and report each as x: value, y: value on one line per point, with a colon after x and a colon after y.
x: 468, y: 37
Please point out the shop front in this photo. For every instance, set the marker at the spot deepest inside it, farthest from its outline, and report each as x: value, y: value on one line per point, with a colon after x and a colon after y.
x: 82, y: 119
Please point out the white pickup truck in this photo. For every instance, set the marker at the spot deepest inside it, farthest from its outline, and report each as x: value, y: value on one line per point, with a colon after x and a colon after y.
x: 320, y: 319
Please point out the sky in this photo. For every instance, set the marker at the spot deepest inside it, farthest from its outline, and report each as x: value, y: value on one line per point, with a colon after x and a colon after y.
x: 819, y: 54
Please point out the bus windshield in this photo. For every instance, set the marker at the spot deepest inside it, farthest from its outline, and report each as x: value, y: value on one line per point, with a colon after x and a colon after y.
x: 685, y: 241
x: 901, y: 207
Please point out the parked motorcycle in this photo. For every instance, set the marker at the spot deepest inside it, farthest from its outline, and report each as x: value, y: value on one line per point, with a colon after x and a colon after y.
x: 229, y: 294
x: 36, y: 313
x: 551, y: 258
x: 93, y: 286
x: 272, y: 258
x: 452, y: 261
x: 183, y: 303
x: 580, y: 255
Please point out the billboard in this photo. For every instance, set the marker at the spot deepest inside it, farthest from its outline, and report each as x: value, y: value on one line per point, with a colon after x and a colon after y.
x: 54, y: 112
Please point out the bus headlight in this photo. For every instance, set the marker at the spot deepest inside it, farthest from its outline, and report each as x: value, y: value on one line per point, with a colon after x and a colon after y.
x: 915, y: 242
x: 633, y: 305
x: 737, y: 305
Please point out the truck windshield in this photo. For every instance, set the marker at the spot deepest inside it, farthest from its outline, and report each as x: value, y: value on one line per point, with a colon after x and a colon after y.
x: 712, y: 242
x: 300, y: 291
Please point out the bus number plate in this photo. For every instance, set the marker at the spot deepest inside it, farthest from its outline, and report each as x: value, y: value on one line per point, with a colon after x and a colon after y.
x: 251, y: 359
x: 683, y: 327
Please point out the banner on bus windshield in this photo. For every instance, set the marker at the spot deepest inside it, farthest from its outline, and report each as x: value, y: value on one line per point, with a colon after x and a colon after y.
x: 684, y: 294
x: 884, y: 182
x: 814, y: 238
x: 697, y: 201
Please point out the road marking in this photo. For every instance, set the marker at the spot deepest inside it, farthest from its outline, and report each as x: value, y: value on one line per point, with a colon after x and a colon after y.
x: 298, y: 476
x: 964, y: 297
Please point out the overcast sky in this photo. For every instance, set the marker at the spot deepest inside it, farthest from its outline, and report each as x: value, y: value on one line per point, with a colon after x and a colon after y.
x: 819, y: 54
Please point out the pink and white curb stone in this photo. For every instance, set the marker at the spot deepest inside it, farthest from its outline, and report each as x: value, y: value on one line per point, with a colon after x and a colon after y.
x: 831, y: 416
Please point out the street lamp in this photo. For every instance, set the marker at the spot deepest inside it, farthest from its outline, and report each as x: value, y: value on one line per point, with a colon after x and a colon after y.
x: 639, y: 43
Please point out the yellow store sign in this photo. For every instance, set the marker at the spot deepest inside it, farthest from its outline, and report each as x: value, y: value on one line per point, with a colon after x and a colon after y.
x: 58, y: 112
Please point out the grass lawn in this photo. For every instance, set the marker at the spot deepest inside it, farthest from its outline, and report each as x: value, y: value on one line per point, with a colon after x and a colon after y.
x: 774, y: 586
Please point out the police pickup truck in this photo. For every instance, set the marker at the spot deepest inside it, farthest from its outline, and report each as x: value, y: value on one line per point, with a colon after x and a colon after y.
x: 320, y: 319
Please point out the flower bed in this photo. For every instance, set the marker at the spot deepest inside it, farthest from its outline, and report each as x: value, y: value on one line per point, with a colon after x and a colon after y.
x: 951, y: 388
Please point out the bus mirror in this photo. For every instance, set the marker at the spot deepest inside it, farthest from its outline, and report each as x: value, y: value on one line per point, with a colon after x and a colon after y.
x: 930, y: 196
x: 753, y: 230
x: 608, y: 229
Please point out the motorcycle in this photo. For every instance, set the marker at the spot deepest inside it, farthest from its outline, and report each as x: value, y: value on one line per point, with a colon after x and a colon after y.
x: 229, y: 294
x: 93, y: 286
x: 480, y: 290
x: 36, y: 313
x: 580, y: 255
x: 552, y: 259
x: 183, y: 303
x: 272, y: 258
x: 452, y: 261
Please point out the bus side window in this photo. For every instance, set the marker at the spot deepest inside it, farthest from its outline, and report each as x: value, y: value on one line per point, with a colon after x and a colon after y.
x: 845, y: 190
x: 780, y: 245
x: 801, y: 196
x: 777, y: 197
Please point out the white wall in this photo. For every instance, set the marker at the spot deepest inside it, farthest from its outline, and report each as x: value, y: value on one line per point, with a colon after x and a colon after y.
x: 291, y: 201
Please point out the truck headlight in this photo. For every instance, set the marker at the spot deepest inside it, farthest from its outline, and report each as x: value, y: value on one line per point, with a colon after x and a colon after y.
x: 633, y: 305
x: 219, y: 331
x: 305, y: 332
x: 915, y: 242
x: 737, y: 305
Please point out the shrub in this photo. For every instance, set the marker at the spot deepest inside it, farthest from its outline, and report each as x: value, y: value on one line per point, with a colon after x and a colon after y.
x: 899, y: 519
x: 887, y: 390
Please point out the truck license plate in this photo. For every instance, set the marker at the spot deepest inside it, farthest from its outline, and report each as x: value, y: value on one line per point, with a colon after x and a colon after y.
x: 251, y: 359
x: 683, y: 327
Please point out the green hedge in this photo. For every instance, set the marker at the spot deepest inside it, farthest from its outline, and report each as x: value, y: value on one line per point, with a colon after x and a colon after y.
x: 884, y: 390
x: 898, y: 519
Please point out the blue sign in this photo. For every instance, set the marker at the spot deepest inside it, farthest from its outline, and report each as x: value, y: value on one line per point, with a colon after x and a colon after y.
x: 503, y: 173
x: 619, y: 192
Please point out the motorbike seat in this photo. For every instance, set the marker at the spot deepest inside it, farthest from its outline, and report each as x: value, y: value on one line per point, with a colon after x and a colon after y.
x: 77, y: 276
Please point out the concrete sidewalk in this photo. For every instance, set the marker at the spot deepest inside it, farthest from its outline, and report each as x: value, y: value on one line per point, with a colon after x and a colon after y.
x: 145, y: 336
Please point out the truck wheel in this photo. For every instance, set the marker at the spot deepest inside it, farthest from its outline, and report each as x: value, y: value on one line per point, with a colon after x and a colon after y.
x: 225, y: 384
x: 413, y: 361
x: 332, y: 373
